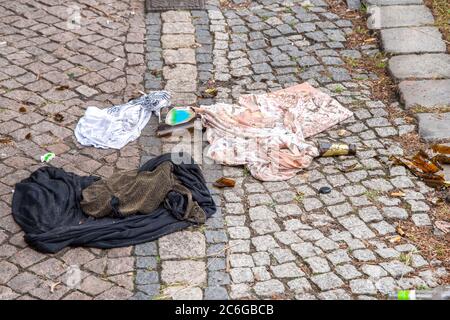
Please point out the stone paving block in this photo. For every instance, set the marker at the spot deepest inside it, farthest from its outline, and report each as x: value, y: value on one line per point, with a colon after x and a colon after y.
x: 392, y: 2
x: 146, y: 249
x: 421, y: 219
x: 354, y: 4
x: 182, y: 245
x: 362, y: 286
x: 176, y: 16
x: 179, y: 56
x: 171, y: 41
x: 240, y: 275
x: 287, y: 270
x: 412, y: 40
x: 327, y: 281
x: 399, y: 16
x: 178, y: 28
x: 187, y: 272
x: 7, y: 271
x: 180, y: 293
x: 434, y: 127
x: 269, y: 288
x: 216, y: 293
x: 150, y: 290
x: 424, y: 66
x: 425, y: 93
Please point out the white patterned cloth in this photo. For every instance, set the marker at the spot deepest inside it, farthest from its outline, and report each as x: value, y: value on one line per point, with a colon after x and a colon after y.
x: 116, y: 126
x: 268, y: 132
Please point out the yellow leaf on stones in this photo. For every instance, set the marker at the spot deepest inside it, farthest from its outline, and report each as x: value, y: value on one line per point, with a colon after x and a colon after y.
x: 395, y: 239
x: 53, y: 286
x: 398, y: 194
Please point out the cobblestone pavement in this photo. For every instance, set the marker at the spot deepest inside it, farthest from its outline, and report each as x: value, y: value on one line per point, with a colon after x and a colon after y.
x: 267, y: 240
x: 421, y: 63
x: 97, y: 60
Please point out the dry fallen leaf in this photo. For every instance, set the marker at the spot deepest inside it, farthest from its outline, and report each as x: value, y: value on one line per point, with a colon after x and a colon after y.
x: 342, y: 132
x: 58, y: 117
x: 61, y: 88
x: 53, y: 286
x: 28, y: 136
x: 397, y: 194
x: 395, y: 239
x: 156, y: 72
x: 444, y: 226
x: 22, y: 109
x: 348, y: 168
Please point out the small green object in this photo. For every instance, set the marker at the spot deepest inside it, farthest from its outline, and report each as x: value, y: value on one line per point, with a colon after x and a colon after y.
x: 47, y: 157
x: 403, y: 295
x: 179, y: 116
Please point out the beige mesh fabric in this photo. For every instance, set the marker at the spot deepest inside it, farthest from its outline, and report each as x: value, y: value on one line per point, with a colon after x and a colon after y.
x: 137, y: 192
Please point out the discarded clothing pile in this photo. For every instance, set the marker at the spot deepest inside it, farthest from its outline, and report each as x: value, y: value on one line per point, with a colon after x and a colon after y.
x: 116, y: 126
x: 267, y: 132
x: 142, y: 192
x: 58, y: 209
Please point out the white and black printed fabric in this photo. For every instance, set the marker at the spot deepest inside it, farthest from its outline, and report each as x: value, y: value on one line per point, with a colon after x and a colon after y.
x: 116, y: 126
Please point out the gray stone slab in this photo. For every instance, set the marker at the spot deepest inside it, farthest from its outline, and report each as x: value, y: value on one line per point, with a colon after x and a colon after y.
x: 425, y: 66
x: 162, y: 5
x: 391, y: 2
x: 354, y: 4
x: 425, y: 93
x: 412, y: 40
x: 399, y: 16
x: 182, y: 245
x: 433, y: 127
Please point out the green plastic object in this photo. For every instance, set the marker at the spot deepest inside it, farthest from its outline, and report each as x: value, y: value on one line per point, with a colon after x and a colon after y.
x: 47, y: 157
x: 178, y: 116
x: 403, y: 295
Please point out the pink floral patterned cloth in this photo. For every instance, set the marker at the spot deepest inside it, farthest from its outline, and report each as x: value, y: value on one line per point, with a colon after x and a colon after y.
x: 267, y: 132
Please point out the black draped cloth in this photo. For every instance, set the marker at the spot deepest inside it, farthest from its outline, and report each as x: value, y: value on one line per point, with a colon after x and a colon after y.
x: 47, y: 207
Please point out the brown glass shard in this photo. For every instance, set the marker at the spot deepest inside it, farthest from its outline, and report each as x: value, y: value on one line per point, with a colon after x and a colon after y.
x: 224, y: 183
x: 441, y: 158
x: 430, y: 170
x: 397, y: 194
x: 422, y: 161
x: 441, y: 148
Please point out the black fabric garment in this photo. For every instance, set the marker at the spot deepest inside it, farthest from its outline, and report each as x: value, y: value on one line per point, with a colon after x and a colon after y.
x: 47, y: 207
